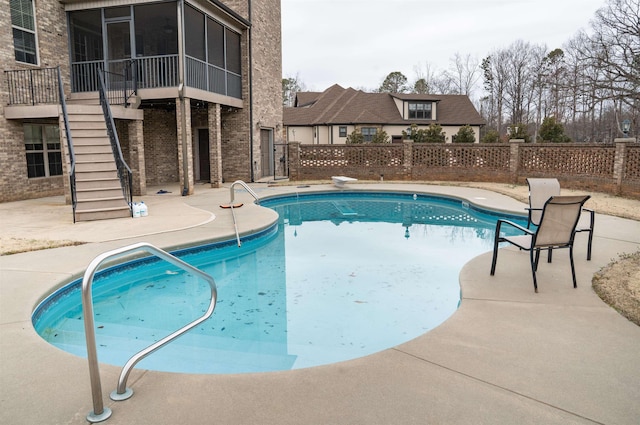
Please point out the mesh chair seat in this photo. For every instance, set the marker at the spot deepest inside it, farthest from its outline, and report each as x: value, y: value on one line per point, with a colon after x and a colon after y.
x: 556, y: 229
x: 540, y: 190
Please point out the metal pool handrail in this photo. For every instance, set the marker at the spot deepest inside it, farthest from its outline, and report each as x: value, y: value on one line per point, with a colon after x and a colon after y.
x: 246, y: 186
x: 232, y: 197
x: 101, y: 413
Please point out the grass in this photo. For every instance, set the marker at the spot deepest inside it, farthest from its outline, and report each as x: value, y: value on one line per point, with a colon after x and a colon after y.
x: 10, y: 246
x: 618, y: 285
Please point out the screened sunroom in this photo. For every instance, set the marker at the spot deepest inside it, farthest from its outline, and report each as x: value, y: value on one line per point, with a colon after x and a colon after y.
x: 158, y: 45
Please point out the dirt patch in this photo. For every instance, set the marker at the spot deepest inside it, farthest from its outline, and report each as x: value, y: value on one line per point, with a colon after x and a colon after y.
x: 10, y: 246
x: 618, y: 284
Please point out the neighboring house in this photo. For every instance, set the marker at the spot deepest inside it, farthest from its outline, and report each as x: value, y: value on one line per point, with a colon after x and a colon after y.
x: 329, y: 117
x: 194, y: 87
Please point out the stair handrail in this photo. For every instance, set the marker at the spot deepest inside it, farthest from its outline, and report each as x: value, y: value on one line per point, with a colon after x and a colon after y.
x: 100, y: 412
x: 118, y: 84
x: 72, y: 155
x: 124, y: 172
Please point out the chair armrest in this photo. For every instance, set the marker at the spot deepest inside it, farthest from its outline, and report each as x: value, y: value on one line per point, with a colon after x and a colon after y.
x: 501, y: 221
x: 592, y: 217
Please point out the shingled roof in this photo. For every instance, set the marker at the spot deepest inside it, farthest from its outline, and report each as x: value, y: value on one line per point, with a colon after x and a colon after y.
x: 338, y: 105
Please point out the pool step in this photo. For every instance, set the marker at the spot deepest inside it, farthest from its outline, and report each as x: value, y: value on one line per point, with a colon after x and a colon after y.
x: 344, y: 208
x: 196, y: 353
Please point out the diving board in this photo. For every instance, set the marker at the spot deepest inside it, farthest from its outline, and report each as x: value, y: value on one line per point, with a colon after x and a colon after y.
x: 340, y: 181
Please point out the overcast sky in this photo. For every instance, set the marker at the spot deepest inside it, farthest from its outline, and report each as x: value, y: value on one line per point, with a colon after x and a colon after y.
x: 357, y: 43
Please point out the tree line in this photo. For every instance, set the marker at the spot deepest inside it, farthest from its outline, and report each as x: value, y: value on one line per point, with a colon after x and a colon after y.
x: 582, y: 92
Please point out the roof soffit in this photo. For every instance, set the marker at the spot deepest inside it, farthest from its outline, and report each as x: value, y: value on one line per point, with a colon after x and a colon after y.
x: 212, y: 7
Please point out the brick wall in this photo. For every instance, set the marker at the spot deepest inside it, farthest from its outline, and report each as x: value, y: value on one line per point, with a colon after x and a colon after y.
x: 241, y: 128
x: 52, y: 51
x: 161, y: 145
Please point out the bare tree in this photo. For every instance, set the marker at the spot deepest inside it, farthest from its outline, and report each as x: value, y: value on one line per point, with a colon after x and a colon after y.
x: 290, y: 87
x: 614, y: 47
x: 424, y: 83
x: 496, y: 75
x: 464, y: 73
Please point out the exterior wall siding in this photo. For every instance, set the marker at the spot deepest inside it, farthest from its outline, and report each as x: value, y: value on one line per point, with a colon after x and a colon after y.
x: 157, y: 159
x: 160, y: 146
x: 241, y: 143
x: 51, y: 36
x: 330, y: 134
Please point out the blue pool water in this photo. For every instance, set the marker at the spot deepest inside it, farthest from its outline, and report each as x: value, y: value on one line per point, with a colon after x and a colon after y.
x: 339, y: 276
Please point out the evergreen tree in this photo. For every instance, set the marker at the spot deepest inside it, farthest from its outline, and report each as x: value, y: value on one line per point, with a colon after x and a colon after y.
x: 552, y: 131
x: 395, y: 82
x: 465, y: 135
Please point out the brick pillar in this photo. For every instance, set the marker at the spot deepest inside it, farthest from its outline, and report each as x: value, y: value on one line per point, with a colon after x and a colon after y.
x: 514, y: 158
x: 407, y: 162
x: 294, y: 160
x: 215, y: 144
x: 185, y: 147
x: 619, y: 160
x: 136, y: 157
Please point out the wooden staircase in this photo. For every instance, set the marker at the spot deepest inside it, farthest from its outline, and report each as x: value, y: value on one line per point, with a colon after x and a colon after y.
x: 99, y: 194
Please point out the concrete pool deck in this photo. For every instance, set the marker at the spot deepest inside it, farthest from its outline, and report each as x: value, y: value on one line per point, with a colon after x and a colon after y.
x: 508, y: 355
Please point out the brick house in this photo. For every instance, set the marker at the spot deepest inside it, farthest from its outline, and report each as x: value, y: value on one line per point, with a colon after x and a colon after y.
x: 193, y: 87
x: 330, y: 116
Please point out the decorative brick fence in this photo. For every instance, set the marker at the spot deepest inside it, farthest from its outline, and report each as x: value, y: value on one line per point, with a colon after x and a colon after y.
x: 610, y: 168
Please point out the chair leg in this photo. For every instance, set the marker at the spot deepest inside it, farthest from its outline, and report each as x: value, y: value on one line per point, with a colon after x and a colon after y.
x: 549, y: 255
x: 589, y: 244
x: 573, y: 269
x: 534, y: 266
x: 495, y: 256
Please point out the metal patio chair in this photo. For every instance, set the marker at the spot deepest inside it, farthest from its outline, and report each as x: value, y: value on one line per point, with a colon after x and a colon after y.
x: 541, y: 189
x: 556, y: 229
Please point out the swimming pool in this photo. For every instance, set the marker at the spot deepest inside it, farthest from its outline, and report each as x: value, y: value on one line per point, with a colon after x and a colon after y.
x: 339, y: 276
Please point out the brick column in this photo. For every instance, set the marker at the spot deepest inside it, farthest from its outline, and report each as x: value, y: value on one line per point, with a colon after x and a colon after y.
x: 407, y: 159
x: 514, y: 158
x: 215, y: 144
x: 294, y: 160
x: 136, y: 157
x: 620, y: 159
x: 185, y: 147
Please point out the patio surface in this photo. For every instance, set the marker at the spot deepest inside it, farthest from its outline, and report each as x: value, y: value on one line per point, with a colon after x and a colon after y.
x: 507, y: 356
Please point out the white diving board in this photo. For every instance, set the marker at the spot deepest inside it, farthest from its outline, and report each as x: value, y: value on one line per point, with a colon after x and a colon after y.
x: 340, y: 181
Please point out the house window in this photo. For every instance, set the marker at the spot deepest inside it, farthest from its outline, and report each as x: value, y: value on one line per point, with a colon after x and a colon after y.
x: 23, y: 24
x: 342, y: 131
x: 368, y: 133
x: 42, y: 144
x: 419, y: 110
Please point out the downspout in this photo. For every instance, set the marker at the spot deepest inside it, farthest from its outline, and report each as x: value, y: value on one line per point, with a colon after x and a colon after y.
x: 183, y: 124
x: 250, y: 94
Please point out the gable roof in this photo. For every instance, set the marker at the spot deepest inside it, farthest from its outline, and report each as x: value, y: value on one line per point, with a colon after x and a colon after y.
x: 337, y: 105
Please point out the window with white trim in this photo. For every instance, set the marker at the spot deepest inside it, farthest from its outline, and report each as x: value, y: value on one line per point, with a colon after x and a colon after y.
x: 369, y: 133
x: 23, y: 24
x: 419, y: 110
x: 42, y: 145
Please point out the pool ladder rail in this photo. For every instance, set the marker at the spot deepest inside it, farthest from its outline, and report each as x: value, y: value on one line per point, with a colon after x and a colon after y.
x: 231, y: 205
x: 100, y: 412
